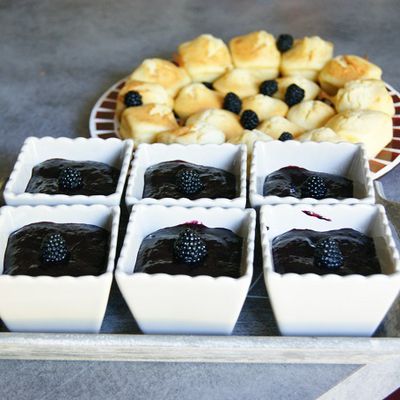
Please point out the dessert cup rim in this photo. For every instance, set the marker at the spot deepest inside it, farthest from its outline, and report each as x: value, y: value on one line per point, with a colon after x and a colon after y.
x: 241, y: 197
x: 114, y: 214
x: 9, y: 194
x: 119, y: 272
x: 369, y: 198
x: 268, y: 264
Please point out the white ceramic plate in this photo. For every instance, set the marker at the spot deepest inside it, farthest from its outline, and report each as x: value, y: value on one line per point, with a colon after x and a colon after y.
x: 103, y: 124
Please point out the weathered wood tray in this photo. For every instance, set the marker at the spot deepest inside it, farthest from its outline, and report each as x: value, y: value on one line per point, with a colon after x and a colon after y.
x: 255, y: 338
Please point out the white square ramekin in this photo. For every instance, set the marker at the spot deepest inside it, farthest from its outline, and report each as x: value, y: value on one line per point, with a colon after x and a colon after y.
x: 114, y: 152
x: 229, y: 157
x: 173, y: 304
x: 345, y: 159
x: 330, y: 305
x: 56, y: 304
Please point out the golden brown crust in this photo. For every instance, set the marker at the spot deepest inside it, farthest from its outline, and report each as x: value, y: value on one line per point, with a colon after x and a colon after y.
x: 265, y: 106
x: 144, y: 122
x: 310, y: 114
x: 275, y: 126
x: 307, y: 57
x: 150, y: 92
x: 163, y: 72
x: 238, y: 81
x: 196, y: 97
x: 342, y: 69
x: 199, y: 134
x: 224, y: 120
x: 255, y: 50
x: 320, y: 135
x: 373, y: 128
x: 310, y: 88
x: 205, y: 58
x: 368, y: 94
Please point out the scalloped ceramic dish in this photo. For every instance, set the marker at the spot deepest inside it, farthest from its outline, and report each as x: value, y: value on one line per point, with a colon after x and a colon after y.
x: 344, y: 159
x: 229, y: 157
x: 174, y: 304
x: 330, y: 305
x: 56, y: 304
x: 114, y: 152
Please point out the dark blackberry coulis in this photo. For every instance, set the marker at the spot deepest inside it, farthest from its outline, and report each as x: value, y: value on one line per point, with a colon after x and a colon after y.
x: 163, y: 180
x: 95, y: 178
x: 223, y: 258
x: 296, y: 251
x: 29, y: 250
x: 290, y: 181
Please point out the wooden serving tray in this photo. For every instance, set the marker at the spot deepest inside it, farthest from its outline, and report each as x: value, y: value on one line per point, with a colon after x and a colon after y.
x: 255, y: 338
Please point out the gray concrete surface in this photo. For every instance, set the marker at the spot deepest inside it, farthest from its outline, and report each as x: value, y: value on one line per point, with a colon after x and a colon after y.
x: 57, y: 57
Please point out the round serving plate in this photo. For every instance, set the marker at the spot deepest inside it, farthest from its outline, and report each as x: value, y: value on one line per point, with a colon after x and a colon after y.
x: 104, y: 124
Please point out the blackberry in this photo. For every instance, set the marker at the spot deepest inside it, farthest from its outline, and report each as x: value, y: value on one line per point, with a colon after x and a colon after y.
x: 268, y: 88
x: 133, y: 99
x: 188, y: 181
x: 315, y: 187
x: 294, y: 95
x: 70, y: 179
x: 232, y: 103
x: 285, y: 136
x: 284, y: 42
x: 208, y: 85
x: 249, y: 119
x: 189, y: 247
x: 54, y: 249
x: 327, y: 254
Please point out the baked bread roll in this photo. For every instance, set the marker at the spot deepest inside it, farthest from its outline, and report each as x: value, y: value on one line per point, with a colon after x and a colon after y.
x: 163, y: 72
x: 275, y: 126
x: 224, y: 120
x: 306, y: 58
x: 239, y: 81
x: 310, y: 114
x: 144, y: 122
x: 256, y: 51
x: 196, y: 97
x: 320, y: 135
x: 342, y: 69
x: 150, y: 92
x: 248, y: 138
x: 265, y: 106
x: 369, y: 94
x: 310, y: 88
x: 205, y: 58
x: 198, y: 134
x: 373, y: 128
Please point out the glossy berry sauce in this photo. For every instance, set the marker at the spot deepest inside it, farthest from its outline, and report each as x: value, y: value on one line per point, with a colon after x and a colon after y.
x: 224, y: 253
x: 87, y: 246
x: 293, y: 251
x: 160, y: 181
x: 288, y: 181
x: 98, y: 178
